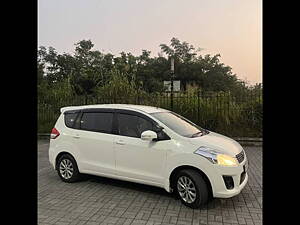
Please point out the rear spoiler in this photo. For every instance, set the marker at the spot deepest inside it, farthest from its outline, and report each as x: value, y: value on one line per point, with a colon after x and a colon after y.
x: 63, y: 109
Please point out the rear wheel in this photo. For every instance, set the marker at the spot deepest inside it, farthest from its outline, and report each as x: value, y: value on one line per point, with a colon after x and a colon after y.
x: 67, y: 169
x: 191, y: 188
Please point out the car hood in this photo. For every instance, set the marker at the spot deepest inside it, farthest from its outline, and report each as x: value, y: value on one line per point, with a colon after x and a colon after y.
x: 221, y: 143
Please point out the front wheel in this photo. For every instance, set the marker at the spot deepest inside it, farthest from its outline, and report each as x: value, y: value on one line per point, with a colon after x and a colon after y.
x: 191, y: 188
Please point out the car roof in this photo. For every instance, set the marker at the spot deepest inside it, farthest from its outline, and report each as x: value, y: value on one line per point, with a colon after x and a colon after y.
x: 143, y: 108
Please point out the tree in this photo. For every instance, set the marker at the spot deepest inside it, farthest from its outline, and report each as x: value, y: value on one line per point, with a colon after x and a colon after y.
x: 206, y: 71
x: 89, y: 69
x: 119, y: 87
x: 182, y: 52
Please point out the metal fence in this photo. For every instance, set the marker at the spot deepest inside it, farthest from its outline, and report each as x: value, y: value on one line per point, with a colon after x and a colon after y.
x: 235, y: 116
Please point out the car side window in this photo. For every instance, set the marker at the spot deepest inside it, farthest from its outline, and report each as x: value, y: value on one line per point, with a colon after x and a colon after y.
x: 70, y: 119
x: 97, y: 121
x: 161, y: 135
x: 132, y: 126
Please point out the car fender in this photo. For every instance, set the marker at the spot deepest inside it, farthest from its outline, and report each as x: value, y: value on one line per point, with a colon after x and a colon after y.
x: 187, y: 159
x: 65, y: 146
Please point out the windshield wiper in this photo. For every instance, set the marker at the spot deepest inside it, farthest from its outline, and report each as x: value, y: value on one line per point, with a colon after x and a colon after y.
x: 205, y: 132
x: 202, y: 132
x: 197, y: 134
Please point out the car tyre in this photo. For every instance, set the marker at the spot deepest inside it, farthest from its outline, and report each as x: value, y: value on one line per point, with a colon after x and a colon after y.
x: 191, y: 188
x: 67, y: 169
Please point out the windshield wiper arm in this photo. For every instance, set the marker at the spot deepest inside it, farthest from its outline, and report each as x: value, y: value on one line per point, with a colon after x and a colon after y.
x: 196, y: 134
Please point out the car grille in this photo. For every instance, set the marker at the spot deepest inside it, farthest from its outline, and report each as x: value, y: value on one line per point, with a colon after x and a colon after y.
x: 240, y: 157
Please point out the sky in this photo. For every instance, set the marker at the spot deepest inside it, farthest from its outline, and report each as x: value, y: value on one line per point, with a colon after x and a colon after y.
x: 231, y: 28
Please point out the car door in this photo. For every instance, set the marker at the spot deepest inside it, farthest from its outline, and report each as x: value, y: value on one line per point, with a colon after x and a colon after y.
x: 136, y: 158
x: 96, y: 142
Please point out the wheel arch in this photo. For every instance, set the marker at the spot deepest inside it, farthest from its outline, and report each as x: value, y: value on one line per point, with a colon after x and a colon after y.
x: 60, y: 155
x: 176, y: 170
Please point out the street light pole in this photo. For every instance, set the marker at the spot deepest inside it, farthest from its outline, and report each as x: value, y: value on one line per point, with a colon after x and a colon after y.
x: 172, y: 78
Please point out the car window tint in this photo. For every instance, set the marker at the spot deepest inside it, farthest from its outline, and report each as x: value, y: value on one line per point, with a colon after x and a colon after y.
x: 133, y: 126
x: 100, y: 122
x: 70, y: 119
x: 177, y: 123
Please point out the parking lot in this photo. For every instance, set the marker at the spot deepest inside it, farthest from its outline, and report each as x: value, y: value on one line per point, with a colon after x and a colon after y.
x: 98, y: 200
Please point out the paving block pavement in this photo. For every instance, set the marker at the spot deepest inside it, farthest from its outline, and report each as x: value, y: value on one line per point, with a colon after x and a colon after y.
x: 98, y: 200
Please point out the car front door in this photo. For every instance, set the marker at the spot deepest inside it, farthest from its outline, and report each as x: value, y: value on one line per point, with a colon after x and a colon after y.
x: 136, y: 158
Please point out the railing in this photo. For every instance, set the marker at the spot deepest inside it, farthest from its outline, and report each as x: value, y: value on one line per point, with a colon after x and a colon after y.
x: 235, y: 116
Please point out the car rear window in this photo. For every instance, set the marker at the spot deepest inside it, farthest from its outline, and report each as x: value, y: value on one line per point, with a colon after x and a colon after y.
x: 97, y: 121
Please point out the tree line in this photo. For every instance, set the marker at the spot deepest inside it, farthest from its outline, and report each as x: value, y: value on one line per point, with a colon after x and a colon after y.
x: 91, y: 72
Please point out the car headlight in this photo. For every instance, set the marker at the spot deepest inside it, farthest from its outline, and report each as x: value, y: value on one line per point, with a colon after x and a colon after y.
x: 226, y: 160
x: 216, y: 157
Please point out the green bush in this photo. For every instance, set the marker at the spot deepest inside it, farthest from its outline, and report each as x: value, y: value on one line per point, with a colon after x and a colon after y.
x: 219, y: 112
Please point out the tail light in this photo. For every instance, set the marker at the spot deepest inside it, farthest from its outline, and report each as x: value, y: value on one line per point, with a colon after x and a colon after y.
x: 54, y: 133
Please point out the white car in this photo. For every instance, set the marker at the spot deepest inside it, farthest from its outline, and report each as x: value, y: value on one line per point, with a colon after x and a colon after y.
x: 147, y: 145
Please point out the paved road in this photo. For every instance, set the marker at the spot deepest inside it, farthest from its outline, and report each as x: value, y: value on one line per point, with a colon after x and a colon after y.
x: 99, y: 200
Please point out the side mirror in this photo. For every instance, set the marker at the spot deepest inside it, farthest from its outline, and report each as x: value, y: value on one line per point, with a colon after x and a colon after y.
x: 148, y: 135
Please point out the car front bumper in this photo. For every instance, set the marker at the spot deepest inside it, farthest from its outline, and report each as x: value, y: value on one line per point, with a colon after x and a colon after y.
x: 218, y: 184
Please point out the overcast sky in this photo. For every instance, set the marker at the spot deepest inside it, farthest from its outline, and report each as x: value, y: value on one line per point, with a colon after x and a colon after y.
x: 232, y: 28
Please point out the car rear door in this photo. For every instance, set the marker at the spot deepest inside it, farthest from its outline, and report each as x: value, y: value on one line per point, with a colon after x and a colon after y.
x: 95, y: 141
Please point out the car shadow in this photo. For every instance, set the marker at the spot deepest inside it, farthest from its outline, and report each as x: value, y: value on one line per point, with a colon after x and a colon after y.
x: 128, y: 185
x: 213, y: 203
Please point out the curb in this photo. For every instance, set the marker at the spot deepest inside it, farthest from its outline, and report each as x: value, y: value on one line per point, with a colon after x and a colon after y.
x: 248, y: 139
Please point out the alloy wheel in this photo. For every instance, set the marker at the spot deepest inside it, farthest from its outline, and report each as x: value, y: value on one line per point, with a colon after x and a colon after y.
x: 66, y: 168
x: 186, y: 189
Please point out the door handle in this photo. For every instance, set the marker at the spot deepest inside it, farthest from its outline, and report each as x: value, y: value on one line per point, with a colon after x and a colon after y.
x: 76, y: 136
x: 120, y: 142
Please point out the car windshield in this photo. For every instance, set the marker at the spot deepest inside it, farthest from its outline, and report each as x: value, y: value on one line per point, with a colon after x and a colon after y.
x: 180, y: 124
